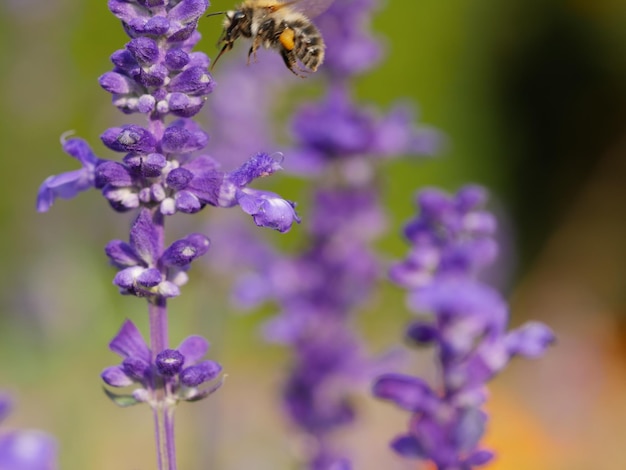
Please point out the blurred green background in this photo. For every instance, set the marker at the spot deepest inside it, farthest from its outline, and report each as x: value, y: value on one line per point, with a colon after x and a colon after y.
x: 532, y: 96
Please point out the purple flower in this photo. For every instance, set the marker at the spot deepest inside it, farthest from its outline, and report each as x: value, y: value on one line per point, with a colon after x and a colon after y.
x: 451, y: 236
x: 162, y: 171
x: 25, y: 449
x: 144, y: 271
x: 319, y: 289
x: 180, y: 371
x: 318, y: 292
x: 338, y: 131
x: 351, y: 47
x: 451, y: 242
x: 157, y: 73
x: 67, y: 185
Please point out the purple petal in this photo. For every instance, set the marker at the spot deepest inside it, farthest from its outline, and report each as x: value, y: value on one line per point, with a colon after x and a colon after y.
x: 156, y: 26
x: 202, y: 164
x: 116, y: 83
x: 174, y: 139
x: 479, y: 458
x: 188, y: 11
x: 396, y: 134
x: 179, y: 178
x: 28, y: 450
x: 258, y: 166
x: 187, y: 202
x: 80, y: 149
x: 144, y: 50
x: 195, y: 81
x: 409, y: 393
x: 183, y: 252
x: 136, y: 368
x: 530, y: 340
x: 124, y: 60
x: 65, y: 186
x: 268, y: 209
x: 114, y: 174
x: 469, y: 429
x: 130, y: 138
x: 203, y: 372
x: 422, y: 333
x: 126, y: 278
x: 127, y: 11
x: 149, y: 166
x: 195, y: 394
x: 149, y: 278
x: 193, y: 348
x: 115, y: 376
x: 144, y: 237
x: 182, y: 105
x: 208, y: 187
x: 168, y: 289
x: 129, y: 343
x: 176, y: 59
x: 471, y: 197
x: 407, y: 446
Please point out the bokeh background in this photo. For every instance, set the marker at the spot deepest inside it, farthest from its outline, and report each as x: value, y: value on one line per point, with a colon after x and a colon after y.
x: 532, y: 97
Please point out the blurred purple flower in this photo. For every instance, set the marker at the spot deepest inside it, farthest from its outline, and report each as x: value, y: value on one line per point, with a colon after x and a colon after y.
x: 25, y: 449
x: 451, y: 240
x: 351, y: 47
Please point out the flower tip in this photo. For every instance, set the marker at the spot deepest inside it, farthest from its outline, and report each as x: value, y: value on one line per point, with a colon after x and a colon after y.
x: 66, y: 135
x: 279, y: 157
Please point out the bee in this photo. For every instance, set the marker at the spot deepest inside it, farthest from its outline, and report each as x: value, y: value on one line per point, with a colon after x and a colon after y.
x: 281, y: 25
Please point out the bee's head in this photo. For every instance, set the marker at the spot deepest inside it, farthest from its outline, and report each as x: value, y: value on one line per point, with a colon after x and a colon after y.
x: 236, y: 23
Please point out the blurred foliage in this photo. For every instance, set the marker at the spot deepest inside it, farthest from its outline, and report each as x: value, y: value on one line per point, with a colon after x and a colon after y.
x: 532, y: 97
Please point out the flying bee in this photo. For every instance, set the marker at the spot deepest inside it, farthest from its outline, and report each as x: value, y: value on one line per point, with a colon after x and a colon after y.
x: 281, y: 25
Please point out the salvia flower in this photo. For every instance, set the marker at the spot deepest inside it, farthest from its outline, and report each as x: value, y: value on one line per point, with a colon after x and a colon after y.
x: 143, y: 271
x: 67, y: 185
x: 466, y: 324
x: 352, y: 48
x: 25, y: 449
x: 163, y: 169
x: 157, y: 71
x: 179, y: 371
x: 451, y: 236
x: 338, y: 143
x: 158, y: 74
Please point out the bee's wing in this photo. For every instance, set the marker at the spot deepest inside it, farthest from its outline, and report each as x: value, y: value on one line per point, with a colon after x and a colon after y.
x: 312, y: 8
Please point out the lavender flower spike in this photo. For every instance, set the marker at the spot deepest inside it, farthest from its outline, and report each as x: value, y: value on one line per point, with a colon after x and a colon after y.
x: 451, y: 242
x: 161, y: 172
x: 25, y: 449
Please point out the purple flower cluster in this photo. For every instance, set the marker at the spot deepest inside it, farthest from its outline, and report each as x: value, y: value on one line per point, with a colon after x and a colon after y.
x: 162, y: 172
x: 450, y: 241
x: 158, y: 75
x: 25, y: 449
x: 318, y: 292
x: 320, y: 289
x: 177, y: 371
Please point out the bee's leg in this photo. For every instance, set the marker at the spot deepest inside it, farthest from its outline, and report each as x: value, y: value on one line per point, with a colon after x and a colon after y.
x: 289, y: 58
x: 266, y: 30
x: 256, y: 43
